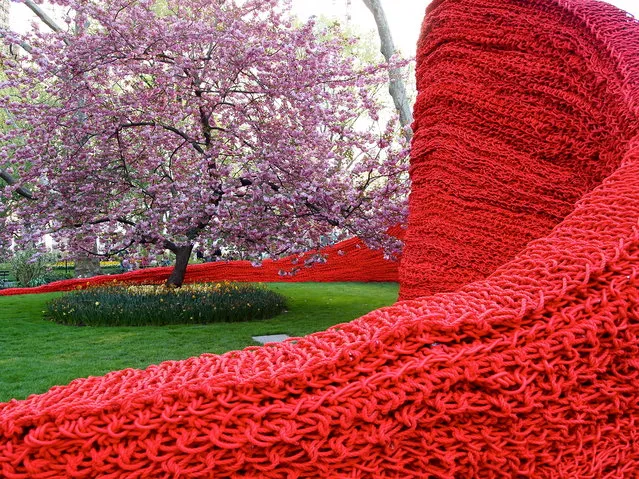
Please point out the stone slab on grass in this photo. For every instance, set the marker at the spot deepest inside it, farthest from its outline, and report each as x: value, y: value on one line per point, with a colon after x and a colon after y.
x: 273, y: 338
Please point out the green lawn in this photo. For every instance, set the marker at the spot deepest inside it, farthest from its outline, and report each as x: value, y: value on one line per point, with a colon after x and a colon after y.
x: 36, y: 354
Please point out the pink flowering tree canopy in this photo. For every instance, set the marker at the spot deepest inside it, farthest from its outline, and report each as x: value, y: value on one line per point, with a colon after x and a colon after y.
x: 220, y: 123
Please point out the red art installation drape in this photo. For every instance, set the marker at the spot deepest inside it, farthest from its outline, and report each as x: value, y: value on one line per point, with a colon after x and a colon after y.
x: 516, y: 353
x: 349, y: 261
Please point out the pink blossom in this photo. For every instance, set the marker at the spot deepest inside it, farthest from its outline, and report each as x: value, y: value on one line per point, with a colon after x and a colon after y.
x: 220, y: 124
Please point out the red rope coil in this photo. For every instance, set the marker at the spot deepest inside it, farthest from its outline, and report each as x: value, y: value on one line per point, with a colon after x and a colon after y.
x: 528, y: 370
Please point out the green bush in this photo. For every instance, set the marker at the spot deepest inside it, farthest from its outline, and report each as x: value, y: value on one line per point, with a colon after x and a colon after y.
x: 121, y: 305
x: 112, y: 270
x: 60, y: 271
x: 30, y: 267
x: 53, y: 274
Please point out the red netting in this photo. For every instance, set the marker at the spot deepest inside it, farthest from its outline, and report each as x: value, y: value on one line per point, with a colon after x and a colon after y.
x: 532, y: 372
x: 516, y: 120
x: 348, y: 261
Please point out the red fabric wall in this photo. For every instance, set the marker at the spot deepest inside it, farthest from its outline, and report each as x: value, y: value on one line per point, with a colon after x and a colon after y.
x: 507, y: 140
x: 531, y: 372
x: 348, y: 260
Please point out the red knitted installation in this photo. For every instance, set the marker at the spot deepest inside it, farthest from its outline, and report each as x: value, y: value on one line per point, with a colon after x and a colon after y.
x: 512, y: 127
x: 347, y: 261
x: 532, y: 372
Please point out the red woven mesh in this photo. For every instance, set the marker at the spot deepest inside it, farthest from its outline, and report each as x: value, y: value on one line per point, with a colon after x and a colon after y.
x: 348, y: 260
x: 531, y: 372
x: 515, y: 122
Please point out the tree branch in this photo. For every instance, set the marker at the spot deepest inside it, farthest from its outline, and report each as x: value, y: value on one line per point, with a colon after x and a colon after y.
x: 396, y: 85
x: 11, y: 181
x: 98, y: 222
x: 46, y: 19
x: 194, y: 143
x: 25, y: 46
x: 109, y: 254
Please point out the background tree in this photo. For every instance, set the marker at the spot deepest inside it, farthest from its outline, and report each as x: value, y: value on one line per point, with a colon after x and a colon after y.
x: 220, y: 123
x: 396, y: 85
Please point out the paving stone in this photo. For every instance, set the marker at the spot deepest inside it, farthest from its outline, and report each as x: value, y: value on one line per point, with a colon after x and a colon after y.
x: 273, y: 338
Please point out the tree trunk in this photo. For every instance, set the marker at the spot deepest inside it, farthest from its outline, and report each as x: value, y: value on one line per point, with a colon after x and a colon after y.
x: 396, y: 85
x: 86, y: 266
x: 182, y: 256
x: 87, y: 260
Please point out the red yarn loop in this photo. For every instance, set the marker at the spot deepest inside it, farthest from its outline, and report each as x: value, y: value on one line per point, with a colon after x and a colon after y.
x: 348, y: 261
x: 523, y: 363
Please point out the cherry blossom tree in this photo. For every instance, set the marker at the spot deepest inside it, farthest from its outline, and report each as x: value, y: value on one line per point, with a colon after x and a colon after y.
x: 220, y: 123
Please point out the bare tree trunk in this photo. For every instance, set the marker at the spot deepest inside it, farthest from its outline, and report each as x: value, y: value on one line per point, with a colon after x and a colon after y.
x: 182, y: 256
x: 86, y: 266
x: 396, y: 85
x: 46, y: 19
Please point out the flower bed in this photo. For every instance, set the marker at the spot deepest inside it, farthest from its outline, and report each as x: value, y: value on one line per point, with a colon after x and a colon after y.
x: 143, y: 305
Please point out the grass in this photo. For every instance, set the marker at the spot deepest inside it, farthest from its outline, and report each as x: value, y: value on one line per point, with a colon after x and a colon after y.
x: 36, y: 354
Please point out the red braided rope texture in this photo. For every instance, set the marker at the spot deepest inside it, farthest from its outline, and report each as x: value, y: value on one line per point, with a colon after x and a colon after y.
x: 515, y: 122
x: 532, y: 372
x: 348, y: 261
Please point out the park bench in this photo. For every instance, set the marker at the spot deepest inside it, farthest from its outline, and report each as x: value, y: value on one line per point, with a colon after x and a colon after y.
x: 4, y: 279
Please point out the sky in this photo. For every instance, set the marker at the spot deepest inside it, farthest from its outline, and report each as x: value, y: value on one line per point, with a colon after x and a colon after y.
x: 404, y: 16
x: 630, y: 6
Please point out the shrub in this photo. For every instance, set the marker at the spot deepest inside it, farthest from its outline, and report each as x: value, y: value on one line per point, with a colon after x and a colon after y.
x: 30, y: 267
x: 60, y: 270
x: 139, y: 305
x: 112, y: 269
x: 57, y: 275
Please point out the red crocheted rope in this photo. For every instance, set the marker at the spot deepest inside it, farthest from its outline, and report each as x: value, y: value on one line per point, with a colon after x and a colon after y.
x: 514, y: 124
x: 531, y: 372
x: 348, y: 261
